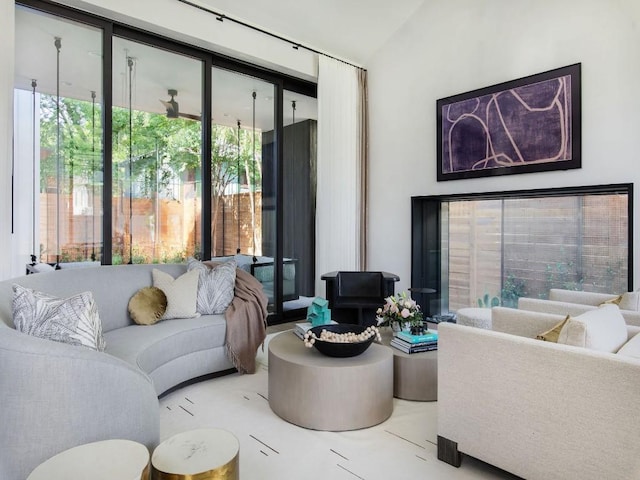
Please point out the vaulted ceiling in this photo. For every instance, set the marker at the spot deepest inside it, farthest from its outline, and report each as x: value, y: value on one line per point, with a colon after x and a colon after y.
x: 352, y: 30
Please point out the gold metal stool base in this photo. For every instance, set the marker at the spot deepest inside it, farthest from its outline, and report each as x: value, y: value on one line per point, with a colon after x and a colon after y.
x: 202, y: 454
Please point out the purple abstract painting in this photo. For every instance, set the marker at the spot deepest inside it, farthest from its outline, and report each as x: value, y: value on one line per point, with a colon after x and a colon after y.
x: 521, y: 126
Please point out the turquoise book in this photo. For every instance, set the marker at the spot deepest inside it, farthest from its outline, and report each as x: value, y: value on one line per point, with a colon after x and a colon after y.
x: 431, y: 336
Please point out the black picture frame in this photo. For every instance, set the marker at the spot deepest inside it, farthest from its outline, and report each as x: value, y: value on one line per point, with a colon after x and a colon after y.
x: 532, y: 124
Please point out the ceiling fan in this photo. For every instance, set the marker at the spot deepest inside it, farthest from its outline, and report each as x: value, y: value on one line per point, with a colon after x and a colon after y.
x: 173, y: 110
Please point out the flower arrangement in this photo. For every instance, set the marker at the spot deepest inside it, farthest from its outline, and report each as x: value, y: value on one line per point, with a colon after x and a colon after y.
x: 401, y: 309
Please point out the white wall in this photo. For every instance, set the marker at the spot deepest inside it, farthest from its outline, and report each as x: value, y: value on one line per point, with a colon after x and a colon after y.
x: 6, y: 120
x: 455, y: 46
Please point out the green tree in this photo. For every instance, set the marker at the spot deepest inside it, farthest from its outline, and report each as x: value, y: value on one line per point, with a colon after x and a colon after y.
x: 147, y: 154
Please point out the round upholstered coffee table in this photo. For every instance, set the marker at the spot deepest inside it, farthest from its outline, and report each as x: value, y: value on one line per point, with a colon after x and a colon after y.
x: 314, y: 391
x: 203, y: 454
x: 415, y: 375
x: 104, y: 460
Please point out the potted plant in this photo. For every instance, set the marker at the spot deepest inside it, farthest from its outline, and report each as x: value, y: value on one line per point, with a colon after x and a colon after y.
x: 399, y: 312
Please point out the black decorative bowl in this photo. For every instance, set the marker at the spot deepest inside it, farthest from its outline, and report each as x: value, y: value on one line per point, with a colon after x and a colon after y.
x: 333, y: 349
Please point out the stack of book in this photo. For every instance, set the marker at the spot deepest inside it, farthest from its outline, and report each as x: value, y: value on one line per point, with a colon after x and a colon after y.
x: 301, y: 328
x: 409, y: 343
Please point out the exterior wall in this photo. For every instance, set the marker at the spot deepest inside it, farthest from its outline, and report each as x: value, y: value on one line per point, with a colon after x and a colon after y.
x: 460, y: 45
x: 177, y: 231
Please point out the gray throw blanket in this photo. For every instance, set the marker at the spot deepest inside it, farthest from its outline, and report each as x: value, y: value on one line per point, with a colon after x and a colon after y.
x: 246, y: 319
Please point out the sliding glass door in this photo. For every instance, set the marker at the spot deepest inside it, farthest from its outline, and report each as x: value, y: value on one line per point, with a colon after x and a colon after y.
x: 133, y: 148
x: 299, y: 162
x: 58, y: 141
x: 156, y: 135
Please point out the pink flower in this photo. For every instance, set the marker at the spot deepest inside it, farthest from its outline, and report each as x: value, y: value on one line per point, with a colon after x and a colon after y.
x: 405, y: 313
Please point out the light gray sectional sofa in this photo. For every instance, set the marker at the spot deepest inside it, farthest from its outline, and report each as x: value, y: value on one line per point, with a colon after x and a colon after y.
x: 540, y: 410
x: 54, y: 396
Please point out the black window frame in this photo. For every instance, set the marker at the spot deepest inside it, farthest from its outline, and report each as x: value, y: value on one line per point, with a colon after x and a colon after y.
x: 210, y: 59
x: 426, y: 231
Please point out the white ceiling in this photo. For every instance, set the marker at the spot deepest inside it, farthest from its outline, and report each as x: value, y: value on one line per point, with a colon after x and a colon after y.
x: 352, y: 30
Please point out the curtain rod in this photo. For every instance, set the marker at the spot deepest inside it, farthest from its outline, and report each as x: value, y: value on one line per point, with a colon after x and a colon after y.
x: 221, y: 17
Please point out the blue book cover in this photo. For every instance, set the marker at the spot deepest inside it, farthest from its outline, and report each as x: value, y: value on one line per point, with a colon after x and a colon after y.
x: 432, y: 336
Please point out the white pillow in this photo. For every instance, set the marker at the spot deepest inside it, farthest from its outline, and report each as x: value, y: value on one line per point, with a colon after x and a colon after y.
x: 72, y: 320
x: 601, y: 329
x: 631, y: 348
x: 181, y: 293
x: 216, y: 286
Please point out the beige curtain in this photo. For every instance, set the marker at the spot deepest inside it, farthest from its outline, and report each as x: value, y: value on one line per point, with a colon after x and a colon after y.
x: 363, y: 159
x: 342, y: 169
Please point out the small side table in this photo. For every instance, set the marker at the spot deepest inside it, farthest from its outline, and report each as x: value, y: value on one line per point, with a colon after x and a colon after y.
x: 415, y: 375
x: 104, y: 460
x: 203, y: 454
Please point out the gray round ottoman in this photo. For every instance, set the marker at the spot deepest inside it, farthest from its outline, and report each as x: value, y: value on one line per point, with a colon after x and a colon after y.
x: 475, y: 317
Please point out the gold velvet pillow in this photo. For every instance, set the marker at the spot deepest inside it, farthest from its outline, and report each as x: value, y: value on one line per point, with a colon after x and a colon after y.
x: 553, y: 334
x: 148, y: 305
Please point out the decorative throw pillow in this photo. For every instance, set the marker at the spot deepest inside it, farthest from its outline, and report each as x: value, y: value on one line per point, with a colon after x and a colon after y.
x: 553, y: 334
x: 630, y: 301
x: 264, y: 273
x: 181, y: 293
x: 601, y: 329
x: 216, y: 285
x: 614, y: 301
x: 147, y: 305
x: 626, y: 301
x: 72, y: 320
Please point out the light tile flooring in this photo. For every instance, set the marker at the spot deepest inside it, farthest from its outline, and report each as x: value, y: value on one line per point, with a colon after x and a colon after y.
x: 401, y: 448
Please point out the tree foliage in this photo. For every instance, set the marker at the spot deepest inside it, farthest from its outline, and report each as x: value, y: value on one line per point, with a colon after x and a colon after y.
x: 150, y: 152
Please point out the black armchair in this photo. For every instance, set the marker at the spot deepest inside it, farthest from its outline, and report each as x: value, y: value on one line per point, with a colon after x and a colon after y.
x: 354, y: 297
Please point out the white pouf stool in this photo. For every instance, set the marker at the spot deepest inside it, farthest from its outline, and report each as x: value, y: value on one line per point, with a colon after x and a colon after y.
x: 104, y: 460
x: 475, y: 317
x: 204, y: 453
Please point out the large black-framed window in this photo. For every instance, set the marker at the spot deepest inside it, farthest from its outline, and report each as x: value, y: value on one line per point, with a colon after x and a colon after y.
x: 491, y: 248
x: 131, y: 179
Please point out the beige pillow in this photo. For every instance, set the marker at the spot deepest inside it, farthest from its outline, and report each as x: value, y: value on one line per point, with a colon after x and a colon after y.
x: 601, y: 329
x: 630, y: 301
x: 181, y: 293
x: 147, y: 305
x: 626, y: 301
x: 553, y: 334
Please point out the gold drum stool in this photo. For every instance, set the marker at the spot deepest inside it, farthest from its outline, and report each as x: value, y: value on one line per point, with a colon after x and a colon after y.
x: 201, y: 454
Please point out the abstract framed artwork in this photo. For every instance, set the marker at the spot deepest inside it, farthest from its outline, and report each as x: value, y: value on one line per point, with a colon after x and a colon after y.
x: 527, y: 125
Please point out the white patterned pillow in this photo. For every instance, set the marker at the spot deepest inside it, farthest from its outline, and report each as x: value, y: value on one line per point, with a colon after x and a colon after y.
x: 72, y: 320
x: 181, y: 293
x: 216, y: 286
